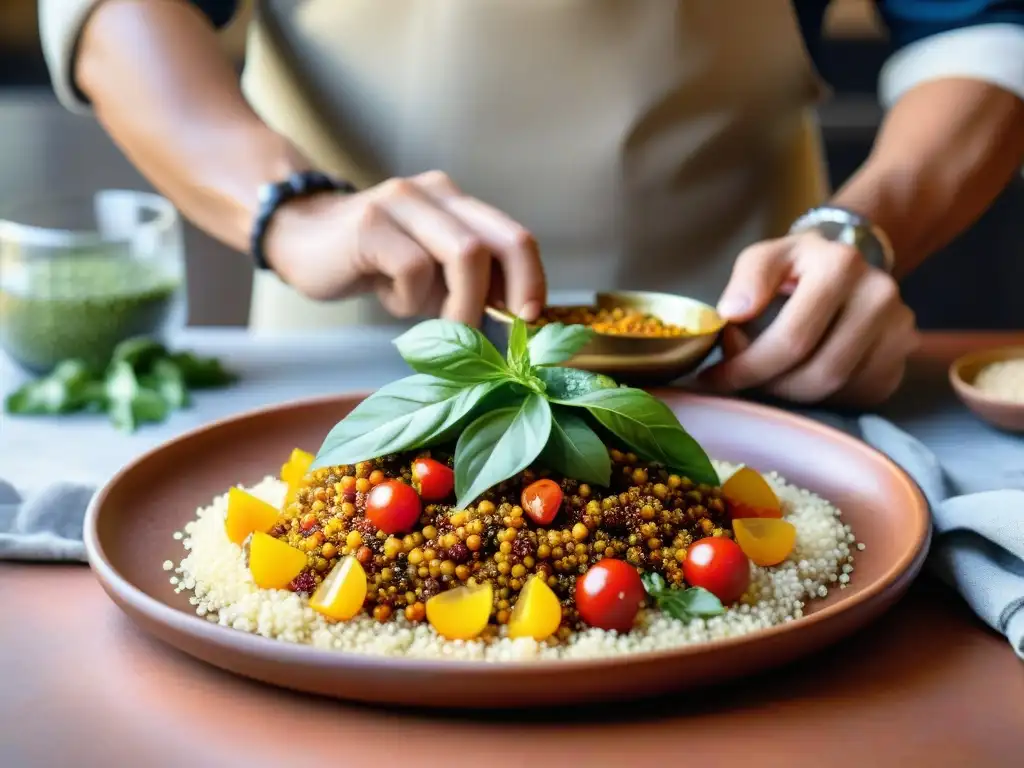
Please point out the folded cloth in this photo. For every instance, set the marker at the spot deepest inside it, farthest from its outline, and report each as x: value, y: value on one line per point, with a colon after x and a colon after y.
x: 978, y: 547
x: 978, y: 543
x: 46, y: 526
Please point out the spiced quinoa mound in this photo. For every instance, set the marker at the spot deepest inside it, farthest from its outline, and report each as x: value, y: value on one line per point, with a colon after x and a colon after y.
x: 647, y: 517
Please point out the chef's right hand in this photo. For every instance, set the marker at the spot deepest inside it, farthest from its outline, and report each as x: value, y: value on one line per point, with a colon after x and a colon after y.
x: 421, y: 244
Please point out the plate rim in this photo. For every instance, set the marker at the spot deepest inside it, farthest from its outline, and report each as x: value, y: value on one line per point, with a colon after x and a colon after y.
x: 128, y: 597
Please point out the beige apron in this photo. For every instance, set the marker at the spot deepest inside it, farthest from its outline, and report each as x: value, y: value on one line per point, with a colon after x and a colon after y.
x: 643, y: 142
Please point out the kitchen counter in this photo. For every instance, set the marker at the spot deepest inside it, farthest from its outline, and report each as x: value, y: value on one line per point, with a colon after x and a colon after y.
x: 926, y: 685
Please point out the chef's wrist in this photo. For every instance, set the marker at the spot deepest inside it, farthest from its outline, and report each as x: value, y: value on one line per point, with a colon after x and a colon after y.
x: 293, y: 230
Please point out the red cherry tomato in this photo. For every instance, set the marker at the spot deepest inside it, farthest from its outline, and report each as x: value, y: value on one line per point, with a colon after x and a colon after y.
x: 542, y: 500
x: 434, y: 479
x: 719, y: 566
x: 393, y: 506
x: 609, y: 595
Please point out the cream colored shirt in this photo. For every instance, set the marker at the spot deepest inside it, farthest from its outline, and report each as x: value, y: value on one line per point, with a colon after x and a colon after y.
x: 643, y: 142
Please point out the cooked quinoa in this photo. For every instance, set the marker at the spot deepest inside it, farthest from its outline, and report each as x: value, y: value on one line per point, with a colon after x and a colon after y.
x: 214, y: 570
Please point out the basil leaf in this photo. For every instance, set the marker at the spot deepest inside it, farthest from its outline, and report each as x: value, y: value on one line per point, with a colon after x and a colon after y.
x: 555, y: 343
x: 451, y: 351
x: 498, y: 445
x: 128, y: 403
x: 400, y: 416
x: 202, y: 372
x: 139, y: 352
x: 700, y: 602
x: 168, y: 380
x: 64, y: 390
x: 575, y: 450
x: 682, y: 604
x: 518, y: 349
x: 569, y: 383
x: 650, y: 428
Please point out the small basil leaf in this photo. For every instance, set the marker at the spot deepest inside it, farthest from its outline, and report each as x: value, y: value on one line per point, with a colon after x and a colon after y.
x: 555, y: 343
x: 653, y: 582
x: 700, y: 602
x: 575, y: 450
x: 168, y: 380
x: 650, y: 428
x: 139, y: 352
x: 518, y: 348
x: 129, y: 403
x: 202, y: 372
x: 403, y: 415
x: 498, y: 445
x: 62, y: 391
x: 451, y: 351
x: 570, y: 383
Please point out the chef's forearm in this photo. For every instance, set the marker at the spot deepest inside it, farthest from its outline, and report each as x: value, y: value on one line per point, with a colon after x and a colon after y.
x: 167, y: 93
x: 944, y: 153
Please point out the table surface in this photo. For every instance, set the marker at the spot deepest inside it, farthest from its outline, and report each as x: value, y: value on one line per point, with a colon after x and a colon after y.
x: 927, y: 684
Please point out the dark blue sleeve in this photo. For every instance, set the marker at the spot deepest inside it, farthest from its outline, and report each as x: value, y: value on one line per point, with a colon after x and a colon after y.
x: 911, y: 20
x: 219, y: 12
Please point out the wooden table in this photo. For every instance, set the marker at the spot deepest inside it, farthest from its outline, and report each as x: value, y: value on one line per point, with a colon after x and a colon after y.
x: 926, y: 685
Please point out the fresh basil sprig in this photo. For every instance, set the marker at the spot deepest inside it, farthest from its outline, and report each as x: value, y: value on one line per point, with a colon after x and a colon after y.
x: 682, y: 604
x: 510, y: 412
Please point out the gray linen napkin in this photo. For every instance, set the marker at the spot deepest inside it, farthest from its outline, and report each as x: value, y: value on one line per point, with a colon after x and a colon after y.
x: 978, y: 548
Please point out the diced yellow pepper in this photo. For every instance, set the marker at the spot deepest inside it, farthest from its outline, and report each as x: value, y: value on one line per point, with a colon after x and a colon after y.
x: 297, y: 466
x: 750, y: 495
x: 247, y: 514
x: 340, y: 596
x: 537, y: 612
x: 273, y: 563
x: 461, y: 613
x: 766, y: 541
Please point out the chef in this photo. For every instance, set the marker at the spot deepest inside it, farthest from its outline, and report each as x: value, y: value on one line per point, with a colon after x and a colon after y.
x: 400, y: 158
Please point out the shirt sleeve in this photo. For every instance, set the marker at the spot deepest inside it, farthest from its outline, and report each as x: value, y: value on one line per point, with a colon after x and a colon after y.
x: 60, y: 27
x: 934, y: 39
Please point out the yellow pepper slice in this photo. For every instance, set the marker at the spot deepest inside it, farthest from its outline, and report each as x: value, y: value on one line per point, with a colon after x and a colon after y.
x: 749, y: 495
x: 766, y: 541
x: 340, y: 596
x: 537, y: 612
x: 461, y: 613
x: 273, y: 563
x: 247, y: 514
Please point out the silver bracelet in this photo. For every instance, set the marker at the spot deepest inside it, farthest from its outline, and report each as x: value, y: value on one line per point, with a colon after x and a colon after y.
x: 840, y: 225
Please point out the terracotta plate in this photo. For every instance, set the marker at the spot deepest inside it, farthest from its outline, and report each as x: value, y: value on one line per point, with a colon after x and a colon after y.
x: 130, y: 522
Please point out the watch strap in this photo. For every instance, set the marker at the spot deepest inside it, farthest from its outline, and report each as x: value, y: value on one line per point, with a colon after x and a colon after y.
x: 273, y: 195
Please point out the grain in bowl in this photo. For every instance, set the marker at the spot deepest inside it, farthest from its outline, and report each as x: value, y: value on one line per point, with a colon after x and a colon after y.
x: 538, y: 520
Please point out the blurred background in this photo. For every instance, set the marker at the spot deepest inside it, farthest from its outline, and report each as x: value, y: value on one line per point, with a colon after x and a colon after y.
x: 973, y: 284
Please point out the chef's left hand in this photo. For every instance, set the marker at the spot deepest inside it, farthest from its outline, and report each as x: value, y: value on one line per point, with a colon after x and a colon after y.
x: 843, y: 336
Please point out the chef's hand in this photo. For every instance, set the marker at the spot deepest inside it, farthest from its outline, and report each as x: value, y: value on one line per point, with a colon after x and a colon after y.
x: 843, y: 336
x: 421, y: 244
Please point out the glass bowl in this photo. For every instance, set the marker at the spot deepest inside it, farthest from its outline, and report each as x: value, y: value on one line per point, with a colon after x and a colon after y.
x: 79, y: 275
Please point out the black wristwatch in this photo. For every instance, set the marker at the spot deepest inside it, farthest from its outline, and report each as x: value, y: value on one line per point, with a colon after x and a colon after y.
x: 275, y: 194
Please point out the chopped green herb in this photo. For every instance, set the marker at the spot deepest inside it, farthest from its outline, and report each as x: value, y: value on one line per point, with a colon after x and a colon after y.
x: 682, y: 604
x: 142, y: 384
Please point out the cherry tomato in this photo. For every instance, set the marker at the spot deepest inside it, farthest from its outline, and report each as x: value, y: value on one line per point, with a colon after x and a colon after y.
x: 609, y: 595
x: 719, y: 566
x: 434, y: 479
x: 542, y: 500
x: 393, y: 506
